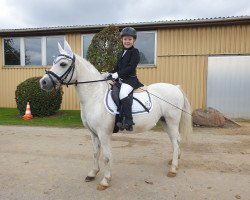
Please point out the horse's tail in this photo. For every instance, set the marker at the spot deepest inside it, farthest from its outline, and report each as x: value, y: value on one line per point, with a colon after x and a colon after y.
x: 186, y: 127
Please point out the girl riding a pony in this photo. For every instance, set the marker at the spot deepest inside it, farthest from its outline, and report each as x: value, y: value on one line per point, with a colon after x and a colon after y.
x: 124, y: 73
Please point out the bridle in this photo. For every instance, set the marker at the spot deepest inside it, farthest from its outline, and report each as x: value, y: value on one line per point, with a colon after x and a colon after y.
x: 65, y: 75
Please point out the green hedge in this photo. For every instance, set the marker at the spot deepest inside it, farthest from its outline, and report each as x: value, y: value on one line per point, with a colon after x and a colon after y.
x: 42, y: 103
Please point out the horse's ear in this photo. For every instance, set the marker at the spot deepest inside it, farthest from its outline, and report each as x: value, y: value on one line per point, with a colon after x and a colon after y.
x: 60, y: 48
x: 67, y: 48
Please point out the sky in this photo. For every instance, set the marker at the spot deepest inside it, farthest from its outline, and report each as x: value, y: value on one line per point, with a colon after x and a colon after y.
x: 51, y: 13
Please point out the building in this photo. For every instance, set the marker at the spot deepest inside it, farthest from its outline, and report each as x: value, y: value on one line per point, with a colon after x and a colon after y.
x: 209, y: 58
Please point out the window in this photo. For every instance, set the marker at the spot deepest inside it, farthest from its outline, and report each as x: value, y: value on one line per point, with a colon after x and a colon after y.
x: 146, y: 43
x: 12, y: 51
x: 31, y: 51
x: 52, y: 48
x: 86, y: 42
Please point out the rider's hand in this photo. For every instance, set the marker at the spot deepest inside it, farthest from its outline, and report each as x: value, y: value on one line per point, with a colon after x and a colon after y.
x: 115, y: 75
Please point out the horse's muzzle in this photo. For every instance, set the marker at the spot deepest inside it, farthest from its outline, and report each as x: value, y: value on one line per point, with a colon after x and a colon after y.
x: 46, y: 84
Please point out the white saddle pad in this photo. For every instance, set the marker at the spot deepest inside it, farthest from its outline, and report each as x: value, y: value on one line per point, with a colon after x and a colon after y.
x: 137, y: 108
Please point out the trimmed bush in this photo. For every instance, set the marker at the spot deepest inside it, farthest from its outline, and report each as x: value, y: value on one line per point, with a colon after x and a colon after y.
x: 104, y: 48
x: 42, y: 103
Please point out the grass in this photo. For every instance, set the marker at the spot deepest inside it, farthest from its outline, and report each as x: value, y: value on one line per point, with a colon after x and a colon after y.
x: 64, y: 118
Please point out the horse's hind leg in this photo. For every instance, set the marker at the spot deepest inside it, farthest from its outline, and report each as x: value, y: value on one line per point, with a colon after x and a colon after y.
x: 96, y: 147
x: 172, y: 128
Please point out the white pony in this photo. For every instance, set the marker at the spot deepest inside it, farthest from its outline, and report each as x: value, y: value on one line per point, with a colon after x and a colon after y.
x: 174, y: 116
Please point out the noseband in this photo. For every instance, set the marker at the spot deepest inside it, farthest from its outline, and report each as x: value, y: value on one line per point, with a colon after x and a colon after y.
x: 63, y: 77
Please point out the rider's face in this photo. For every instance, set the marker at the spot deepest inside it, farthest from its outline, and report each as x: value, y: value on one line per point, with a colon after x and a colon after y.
x: 128, y: 41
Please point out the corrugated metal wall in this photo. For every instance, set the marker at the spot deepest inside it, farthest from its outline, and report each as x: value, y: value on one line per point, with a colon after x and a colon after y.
x: 10, y: 78
x: 182, y: 57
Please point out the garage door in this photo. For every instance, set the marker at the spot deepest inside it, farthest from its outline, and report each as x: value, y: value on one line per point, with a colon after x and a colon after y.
x: 228, y: 85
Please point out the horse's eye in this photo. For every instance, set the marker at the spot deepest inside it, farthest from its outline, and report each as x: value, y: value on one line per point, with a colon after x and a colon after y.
x: 63, y: 64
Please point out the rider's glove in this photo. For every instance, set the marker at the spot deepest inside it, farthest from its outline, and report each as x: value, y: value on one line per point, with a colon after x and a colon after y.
x: 115, y: 75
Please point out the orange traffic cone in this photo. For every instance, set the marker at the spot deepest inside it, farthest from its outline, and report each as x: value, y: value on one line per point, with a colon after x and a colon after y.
x: 28, y: 114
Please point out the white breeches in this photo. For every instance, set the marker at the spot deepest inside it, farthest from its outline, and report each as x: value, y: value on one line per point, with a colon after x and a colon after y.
x: 125, y: 90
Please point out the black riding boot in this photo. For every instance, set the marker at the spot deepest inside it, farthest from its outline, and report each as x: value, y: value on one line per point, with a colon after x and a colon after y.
x: 127, y: 122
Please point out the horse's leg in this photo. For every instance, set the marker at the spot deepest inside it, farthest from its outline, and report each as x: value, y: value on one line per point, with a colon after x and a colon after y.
x: 96, y: 147
x: 106, y: 147
x: 172, y: 128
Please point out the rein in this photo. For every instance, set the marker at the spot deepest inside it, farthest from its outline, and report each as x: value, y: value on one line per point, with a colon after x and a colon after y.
x: 76, y: 82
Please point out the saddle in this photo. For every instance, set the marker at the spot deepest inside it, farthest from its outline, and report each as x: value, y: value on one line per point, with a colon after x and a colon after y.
x: 141, y: 102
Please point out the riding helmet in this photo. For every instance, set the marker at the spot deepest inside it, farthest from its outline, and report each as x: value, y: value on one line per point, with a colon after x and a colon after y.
x: 129, y: 31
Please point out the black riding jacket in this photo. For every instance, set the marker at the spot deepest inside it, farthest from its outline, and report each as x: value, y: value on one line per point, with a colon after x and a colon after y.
x: 126, y: 67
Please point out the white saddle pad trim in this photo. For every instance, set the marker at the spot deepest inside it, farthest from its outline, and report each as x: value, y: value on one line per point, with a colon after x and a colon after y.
x: 137, y: 108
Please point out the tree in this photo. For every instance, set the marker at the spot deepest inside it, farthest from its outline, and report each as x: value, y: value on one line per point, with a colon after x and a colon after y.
x: 104, y: 48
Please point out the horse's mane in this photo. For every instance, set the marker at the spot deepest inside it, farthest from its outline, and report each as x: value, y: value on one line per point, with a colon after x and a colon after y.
x: 83, y: 62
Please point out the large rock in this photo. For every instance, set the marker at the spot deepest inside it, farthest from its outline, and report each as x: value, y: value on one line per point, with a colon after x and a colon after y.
x: 208, y: 117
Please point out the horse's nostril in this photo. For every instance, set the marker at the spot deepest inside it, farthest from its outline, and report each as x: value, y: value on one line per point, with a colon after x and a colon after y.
x: 44, y: 82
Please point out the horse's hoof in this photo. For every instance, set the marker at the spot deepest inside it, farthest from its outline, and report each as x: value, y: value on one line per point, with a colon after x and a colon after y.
x: 101, y: 187
x: 171, y: 174
x: 170, y: 162
x: 88, y: 179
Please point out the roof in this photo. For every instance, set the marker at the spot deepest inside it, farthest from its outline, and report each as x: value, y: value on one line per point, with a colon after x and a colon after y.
x: 234, y: 20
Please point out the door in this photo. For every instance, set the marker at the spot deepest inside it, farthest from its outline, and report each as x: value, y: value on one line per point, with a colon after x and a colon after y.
x: 228, y: 85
